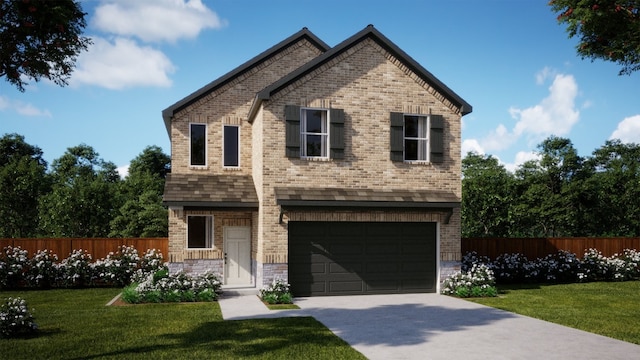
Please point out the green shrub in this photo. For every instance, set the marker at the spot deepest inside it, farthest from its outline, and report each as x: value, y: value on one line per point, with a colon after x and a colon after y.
x: 276, y: 293
x: 477, y: 282
x: 15, y: 318
x: 130, y: 295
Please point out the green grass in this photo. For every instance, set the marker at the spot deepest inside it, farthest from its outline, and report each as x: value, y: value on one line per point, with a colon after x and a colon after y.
x: 607, y: 308
x: 76, y: 324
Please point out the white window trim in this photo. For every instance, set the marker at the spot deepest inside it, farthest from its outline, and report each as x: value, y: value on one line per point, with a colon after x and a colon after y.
x: 239, y: 147
x: 206, y: 150
x: 209, y: 233
x: 427, y: 138
x: 303, y: 133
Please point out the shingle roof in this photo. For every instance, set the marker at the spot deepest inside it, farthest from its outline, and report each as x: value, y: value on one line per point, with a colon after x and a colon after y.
x: 305, y: 196
x: 206, y: 190
x: 378, y: 37
x: 168, y: 113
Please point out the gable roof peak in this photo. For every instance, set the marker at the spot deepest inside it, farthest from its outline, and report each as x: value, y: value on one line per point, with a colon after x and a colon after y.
x: 304, y: 33
x: 368, y: 32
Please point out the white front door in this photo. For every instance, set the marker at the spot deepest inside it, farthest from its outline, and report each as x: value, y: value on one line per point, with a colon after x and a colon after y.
x: 237, y: 253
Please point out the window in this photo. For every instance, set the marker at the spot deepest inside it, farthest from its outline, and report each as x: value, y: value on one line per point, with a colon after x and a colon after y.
x: 231, y: 150
x: 309, y: 132
x: 198, y: 149
x: 416, y: 138
x: 314, y: 133
x: 200, y: 232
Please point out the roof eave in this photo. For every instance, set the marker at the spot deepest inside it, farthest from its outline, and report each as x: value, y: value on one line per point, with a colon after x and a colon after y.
x: 369, y: 31
x: 168, y: 113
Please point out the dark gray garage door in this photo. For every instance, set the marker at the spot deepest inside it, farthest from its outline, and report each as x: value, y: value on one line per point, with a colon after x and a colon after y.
x: 347, y: 258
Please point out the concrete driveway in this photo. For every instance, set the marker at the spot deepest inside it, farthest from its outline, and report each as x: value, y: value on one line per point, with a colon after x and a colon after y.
x: 431, y: 326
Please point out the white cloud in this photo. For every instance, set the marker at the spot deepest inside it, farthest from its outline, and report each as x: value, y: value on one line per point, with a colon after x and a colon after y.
x: 22, y: 108
x: 122, y: 63
x: 156, y: 20
x: 123, y: 170
x: 628, y: 130
x: 521, y: 158
x: 544, y: 74
x: 554, y: 115
x: 471, y: 145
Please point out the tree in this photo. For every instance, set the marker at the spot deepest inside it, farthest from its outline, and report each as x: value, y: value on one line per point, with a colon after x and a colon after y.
x: 83, y: 197
x: 40, y: 39
x: 142, y: 213
x: 486, y: 196
x: 616, y: 168
x: 608, y: 29
x: 22, y: 181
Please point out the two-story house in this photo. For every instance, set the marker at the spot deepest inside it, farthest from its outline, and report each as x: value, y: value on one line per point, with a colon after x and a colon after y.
x: 336, y: 169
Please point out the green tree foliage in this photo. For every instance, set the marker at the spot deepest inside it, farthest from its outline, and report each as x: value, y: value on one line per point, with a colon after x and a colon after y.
x: 483, y: 213
x: 83, y: 197
x: 22, y: 181
x: 560, y: 194
x: 40, y: 39
x: 142, y: 213
x: 607, y: 29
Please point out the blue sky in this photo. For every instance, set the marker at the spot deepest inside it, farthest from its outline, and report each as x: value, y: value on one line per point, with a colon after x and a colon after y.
x: 509, y: 59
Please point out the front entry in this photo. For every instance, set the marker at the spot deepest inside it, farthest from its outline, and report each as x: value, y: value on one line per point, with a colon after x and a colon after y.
x: 237, y: 254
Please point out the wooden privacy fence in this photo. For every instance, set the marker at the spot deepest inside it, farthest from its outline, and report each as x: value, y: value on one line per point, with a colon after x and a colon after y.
x: 99, y: 248
x: 534, y: 248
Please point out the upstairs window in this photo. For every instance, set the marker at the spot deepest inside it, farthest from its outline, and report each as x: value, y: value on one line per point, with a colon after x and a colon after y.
x: 314, y: 133
x: 200, y: 232
x: 417, y: 138
x: 198, y: 142
x: 231, y: 150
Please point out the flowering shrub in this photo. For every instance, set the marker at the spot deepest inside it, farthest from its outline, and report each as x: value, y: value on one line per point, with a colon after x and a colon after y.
x: 13, y: 262
x: 15, y: 318
x: 77, y: 270
x: 276, y: 293
x: 161, y: 286
x: 479, y: 281
x: 562, y: 266
x: 511, y: 268
x: 42, y: 271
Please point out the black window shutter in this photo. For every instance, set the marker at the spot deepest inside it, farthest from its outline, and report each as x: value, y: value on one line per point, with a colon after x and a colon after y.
x: 437, y: 139
x: 336, y: 133
x: 396, y: 139
x: 292, y: 129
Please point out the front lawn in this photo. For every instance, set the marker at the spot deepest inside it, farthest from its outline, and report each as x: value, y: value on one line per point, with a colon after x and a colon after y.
x: 607, y: 308
x: 76, y: 324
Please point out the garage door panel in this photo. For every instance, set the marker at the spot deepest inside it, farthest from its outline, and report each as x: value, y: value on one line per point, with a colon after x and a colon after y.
x: 361, y: 258
x: 346, y: 287
x: 345, y: 268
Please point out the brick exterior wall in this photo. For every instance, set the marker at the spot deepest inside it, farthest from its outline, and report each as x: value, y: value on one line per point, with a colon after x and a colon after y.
x: 368, y: 83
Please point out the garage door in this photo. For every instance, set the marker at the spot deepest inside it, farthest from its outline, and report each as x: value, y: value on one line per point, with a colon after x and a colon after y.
x: 347, y: 258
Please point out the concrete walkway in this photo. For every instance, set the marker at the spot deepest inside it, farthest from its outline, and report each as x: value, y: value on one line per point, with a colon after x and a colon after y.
x: 431, y: 326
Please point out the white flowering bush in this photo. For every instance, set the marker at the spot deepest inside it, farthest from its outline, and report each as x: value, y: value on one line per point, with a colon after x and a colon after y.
x: 15, y: 318
x: 160, y: 286
x: 75, y: 270
x: 42, y: 271
x: 472, y: 258
x: 13, y: 262
x: 479, y: 281
x: 561, y: 267
x: 512, y: 268
x: 276, y: 293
